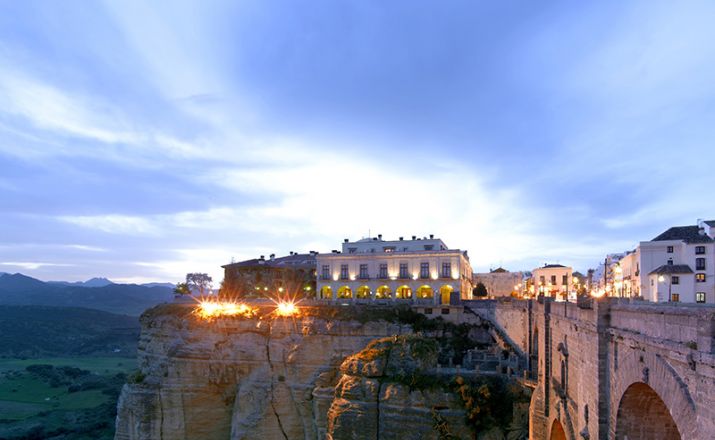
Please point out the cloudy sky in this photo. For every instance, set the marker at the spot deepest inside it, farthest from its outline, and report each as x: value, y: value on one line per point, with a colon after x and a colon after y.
x: 141, y: 140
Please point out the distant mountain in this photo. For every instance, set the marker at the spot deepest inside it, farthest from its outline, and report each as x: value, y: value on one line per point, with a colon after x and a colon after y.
x: 167, y: 285
x: 92, y: 282
x: 41, y: 331
x: 127, y: 299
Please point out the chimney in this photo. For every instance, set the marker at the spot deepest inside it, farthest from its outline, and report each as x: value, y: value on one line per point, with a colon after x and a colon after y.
x: 273, y: 257
x: 401, y: 238
x: 431, y: 236
x: 345, y: 240
x: 414, y: 237
x: 379, y: 236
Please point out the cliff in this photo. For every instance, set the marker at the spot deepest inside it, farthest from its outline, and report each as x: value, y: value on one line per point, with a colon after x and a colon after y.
x: 304, y: 377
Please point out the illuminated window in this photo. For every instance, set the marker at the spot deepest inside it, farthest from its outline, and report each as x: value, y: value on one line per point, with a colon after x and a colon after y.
x: 446, y: 270
x: 700, y: 277
x: 424, y: 270
x: 404, y: 292
x: 445, y: 292
x: 675, y: 297
x: 700, y: 297
x: 403, y: 270
x: 345, y: 292
x: 363, y: 292
x: 425, y: 292
x: 326, y: 292
x: 363, y: 271
x: 383, y: 292
x: 383, y: 271
x: 343, y: 271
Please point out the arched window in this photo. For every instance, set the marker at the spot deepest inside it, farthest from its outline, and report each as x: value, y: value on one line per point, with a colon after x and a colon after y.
x: 363, y: 292
x: 345, y: 292
x: 425, y: 292
x: 445, y: 292
x: 404, y: 292
x: 326, y: 292
x: 383, y: 292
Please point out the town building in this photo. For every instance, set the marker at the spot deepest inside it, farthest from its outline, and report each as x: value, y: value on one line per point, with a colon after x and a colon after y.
x: 679, y: 264
x: 500, y: 282
x: 553, y: 280
x: 420, y: 270
x: 289, y: 276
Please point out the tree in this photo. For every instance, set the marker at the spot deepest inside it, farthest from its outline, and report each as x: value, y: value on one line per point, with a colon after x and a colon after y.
x: 200, y: 283
x: 480, y: 290
x: 182, y: 289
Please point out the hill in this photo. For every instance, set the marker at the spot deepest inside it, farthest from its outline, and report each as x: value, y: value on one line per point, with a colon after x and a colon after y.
x: 125, y: 299
x: 41, y: 331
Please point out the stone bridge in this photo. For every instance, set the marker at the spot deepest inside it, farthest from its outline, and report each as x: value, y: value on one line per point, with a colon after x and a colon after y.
x: 609, y: 369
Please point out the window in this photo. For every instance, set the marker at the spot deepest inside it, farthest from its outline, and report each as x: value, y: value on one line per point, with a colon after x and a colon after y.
x: 424, y: 270
x: 699, y: 250
x: 700, y: 264
x: 446, y: 270
x: 389, y: 249
x: 403, y: 270
x: 670, y: 249
x: 553, y: 280
x: 700, y: 277
x: 383, y: 271
x: 445, y: 311
x: 352, y: 250
x: 363, y: 271
x: 700, y: 297
x: 428, y: 311
x: 429, y: 247
x: 675, y: 297
x: 326, y: 272
x: 675, y: 279
x: 565, y: 280
x: 343, y: 271
x: 670, y: 261
x: 542, y: 280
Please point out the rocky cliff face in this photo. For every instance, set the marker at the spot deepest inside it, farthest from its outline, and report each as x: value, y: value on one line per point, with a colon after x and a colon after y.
x: 238, y: 378
x: 316, y: 376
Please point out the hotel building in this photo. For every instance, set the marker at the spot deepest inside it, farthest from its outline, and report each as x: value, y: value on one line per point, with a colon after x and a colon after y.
x: 420, y: 270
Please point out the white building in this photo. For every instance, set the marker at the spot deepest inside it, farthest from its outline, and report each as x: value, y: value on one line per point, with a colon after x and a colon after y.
x: 553, y: 280
x: 679, y: 264
x: 421, y: 270
x: 499, y: 282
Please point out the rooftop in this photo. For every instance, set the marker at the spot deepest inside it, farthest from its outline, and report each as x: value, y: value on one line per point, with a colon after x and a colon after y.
x: 672, y: 269
x: 294, y: 259
x: 688, y: 234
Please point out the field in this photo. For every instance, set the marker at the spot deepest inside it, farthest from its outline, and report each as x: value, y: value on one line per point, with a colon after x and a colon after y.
x: 60, y: 398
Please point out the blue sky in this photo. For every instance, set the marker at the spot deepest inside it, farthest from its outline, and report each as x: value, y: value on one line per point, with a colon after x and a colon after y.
x: 140, y: 141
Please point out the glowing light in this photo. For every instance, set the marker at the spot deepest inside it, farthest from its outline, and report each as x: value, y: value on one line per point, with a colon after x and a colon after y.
x: 286, y: 308
x: 215, y: 309
x: 598, y: 293
x: 661, y: 279
x: 280, y: 289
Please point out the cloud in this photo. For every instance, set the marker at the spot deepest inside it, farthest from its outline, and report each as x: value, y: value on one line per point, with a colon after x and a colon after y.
x: 33, y: 265
x: 114, y: 224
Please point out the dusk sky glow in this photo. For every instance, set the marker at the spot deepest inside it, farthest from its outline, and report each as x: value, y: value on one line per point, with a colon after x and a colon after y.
x: 140, y: 141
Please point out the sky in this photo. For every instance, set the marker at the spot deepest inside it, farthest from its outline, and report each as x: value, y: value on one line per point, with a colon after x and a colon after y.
x: 142, y: 140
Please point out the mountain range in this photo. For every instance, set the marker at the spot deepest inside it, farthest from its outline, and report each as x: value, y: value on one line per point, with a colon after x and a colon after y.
x: 96, y: 293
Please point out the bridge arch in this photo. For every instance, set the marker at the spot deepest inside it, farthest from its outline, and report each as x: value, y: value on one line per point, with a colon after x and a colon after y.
x: 557, y: 431
x: 648, y: 379
x: 643, y: 415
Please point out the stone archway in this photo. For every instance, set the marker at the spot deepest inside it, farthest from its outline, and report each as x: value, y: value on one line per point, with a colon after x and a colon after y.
x: 326, y: 292
x: 445, y: 293
x: 425, y: 292
x: 363, y: 292
x: 642, y: 415
x: 557, y: 431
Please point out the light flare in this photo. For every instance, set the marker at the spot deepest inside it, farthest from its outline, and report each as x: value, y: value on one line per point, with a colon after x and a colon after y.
x: 286, y: 308
x: 215, y: 309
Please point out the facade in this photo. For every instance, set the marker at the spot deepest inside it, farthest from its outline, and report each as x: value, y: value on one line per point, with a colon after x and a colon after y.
x: 677, y: 265
x: 421, y: 270
x: 292, y: 276
x: 690, y: 253
x: 500, y: 282
x: 553, y: 280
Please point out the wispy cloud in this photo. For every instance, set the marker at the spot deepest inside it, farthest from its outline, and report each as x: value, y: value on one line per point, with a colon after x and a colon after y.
x: 32, y: 265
